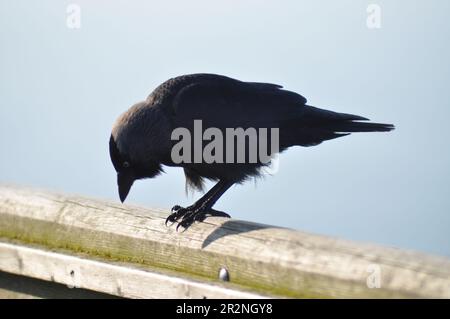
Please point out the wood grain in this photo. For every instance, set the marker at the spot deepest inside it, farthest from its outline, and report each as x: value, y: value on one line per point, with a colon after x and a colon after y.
x: 83, y: 274
x: 263, y: 259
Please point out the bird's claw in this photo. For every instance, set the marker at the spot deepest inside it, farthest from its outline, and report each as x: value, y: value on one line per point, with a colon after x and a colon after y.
x: 176, y: 214
x: 182, y: 213
x: 187, y: 221
x: 191, y: 214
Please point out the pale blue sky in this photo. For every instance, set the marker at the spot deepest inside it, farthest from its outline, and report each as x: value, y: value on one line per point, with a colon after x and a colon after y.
x: 61, y: 89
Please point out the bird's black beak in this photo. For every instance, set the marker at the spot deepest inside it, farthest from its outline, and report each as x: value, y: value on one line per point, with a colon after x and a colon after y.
x: 124, y: 181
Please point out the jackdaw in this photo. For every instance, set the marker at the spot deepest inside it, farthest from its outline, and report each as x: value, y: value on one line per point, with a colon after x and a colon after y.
x: 141, y: 140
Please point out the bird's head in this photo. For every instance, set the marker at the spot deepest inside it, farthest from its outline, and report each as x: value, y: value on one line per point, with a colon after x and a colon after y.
x: 134, y: 150
x: 129, y: 170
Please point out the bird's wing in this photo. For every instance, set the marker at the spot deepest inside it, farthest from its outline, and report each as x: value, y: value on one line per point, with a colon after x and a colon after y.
x: 231, y: 103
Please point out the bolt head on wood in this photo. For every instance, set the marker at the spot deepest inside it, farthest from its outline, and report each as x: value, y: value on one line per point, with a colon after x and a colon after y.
x: 223, y: 274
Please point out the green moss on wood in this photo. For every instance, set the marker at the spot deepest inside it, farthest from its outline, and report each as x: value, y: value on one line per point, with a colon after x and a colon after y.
x: 173, y: 259
x: 119, y: 248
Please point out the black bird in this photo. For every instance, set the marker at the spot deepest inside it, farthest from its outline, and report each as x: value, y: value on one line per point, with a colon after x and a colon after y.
x: 141, y: 143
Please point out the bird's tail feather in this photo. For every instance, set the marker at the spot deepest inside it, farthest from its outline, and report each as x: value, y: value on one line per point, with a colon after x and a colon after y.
x: 318, y: 125
x: 357, y: 126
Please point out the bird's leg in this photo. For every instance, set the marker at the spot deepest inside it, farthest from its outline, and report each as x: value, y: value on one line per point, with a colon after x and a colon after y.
x: 201, y: 208
x: 178, y: 211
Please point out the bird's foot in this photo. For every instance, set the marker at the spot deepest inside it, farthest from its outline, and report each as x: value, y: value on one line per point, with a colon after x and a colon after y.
x: 187, y: 216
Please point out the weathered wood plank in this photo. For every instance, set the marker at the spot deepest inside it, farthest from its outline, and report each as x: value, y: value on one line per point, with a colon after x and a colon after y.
x: 120, y: 280
x: 262, y: 258
x: 20, y: 287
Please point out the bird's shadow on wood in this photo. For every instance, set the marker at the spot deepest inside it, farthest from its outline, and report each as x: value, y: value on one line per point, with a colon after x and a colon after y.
x: 232, y: 227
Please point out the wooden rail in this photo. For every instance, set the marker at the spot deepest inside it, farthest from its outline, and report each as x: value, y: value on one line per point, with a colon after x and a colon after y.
x: 127, y: 251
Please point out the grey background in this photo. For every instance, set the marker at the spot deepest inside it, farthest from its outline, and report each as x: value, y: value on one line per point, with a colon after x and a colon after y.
x: 61, y: 90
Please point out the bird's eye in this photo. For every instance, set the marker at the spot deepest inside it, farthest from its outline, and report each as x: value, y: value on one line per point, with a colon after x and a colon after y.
x: 126, y: 164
